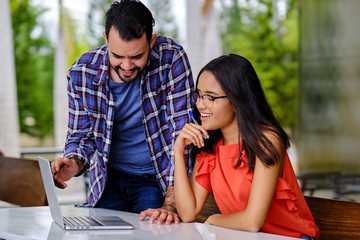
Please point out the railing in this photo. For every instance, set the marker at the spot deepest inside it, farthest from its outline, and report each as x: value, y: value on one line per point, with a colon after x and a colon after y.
x: 52, y: 150
x: 342, y: 185
x: 41, y: 150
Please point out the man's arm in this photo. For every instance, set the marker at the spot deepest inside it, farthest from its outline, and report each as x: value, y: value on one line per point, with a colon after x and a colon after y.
x: 64, y: 169
x: 166, y: 214
x: 169, y: 202
x: 179, y: 102
x: 80, y: 143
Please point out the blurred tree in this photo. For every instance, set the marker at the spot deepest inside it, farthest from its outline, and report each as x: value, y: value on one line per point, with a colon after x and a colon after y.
x: 164, y: 18
x: 96, y: 21
x: 161, y: 10
x: 34, y: 59
x: 76, y: 40
x: 266, y: 32
x: 70, y: 43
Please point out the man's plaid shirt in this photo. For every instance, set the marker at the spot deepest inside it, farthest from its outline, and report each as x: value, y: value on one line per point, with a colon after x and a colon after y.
x: 166, y: 85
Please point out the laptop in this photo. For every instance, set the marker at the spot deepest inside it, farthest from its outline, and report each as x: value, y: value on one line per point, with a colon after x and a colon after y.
x: 75, y: 222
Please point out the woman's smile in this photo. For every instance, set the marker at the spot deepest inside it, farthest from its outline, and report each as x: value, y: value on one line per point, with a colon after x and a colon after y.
x: 205, y: 116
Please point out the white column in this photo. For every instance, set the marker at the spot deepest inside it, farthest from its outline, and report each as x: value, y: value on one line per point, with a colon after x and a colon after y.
x: 60, y: 92
x: 193, y: 35
x: 212, y: 42
x: 9, y: 122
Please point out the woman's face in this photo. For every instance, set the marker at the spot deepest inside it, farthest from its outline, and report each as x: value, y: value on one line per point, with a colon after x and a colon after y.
x: 221, y: 114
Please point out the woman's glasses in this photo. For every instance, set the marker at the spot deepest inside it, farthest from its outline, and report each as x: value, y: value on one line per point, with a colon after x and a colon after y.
x: 207, y: 99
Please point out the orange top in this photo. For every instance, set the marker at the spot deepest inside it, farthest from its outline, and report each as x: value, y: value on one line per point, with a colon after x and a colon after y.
x: 289, y: 214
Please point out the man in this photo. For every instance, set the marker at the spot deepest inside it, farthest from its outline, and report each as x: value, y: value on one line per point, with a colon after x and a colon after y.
x: 128, y: 102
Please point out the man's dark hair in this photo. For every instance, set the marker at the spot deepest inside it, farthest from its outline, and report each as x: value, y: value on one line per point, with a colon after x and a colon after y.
x: 131, y: 18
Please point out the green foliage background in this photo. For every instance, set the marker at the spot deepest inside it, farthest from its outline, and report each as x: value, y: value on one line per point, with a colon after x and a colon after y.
x: 270, y: 41
x: 34, y: 60
x: 251, y: 28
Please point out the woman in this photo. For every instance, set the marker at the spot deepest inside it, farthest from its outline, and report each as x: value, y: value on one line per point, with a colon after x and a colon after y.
x: 241, y: 158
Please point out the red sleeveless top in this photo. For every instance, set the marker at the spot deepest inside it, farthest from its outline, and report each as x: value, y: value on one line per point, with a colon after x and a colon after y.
x: 289, y: 214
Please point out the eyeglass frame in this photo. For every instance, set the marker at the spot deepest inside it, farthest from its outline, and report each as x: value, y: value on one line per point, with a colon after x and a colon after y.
x: 210, y: 98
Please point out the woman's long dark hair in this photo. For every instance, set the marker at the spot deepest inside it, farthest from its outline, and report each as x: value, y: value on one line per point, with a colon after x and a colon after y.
x: 241, y: 84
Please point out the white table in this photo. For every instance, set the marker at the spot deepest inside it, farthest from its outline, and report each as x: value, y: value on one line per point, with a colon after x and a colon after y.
x: 36, y: 223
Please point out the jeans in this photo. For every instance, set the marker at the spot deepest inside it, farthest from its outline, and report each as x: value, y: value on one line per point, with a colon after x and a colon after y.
x: 130, y: 193
x: 308, y: 238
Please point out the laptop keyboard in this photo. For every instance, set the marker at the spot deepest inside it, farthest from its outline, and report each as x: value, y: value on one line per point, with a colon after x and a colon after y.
x: 80, y: 221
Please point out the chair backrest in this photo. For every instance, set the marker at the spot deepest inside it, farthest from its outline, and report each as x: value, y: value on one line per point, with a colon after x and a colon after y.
x: 209, y: 208
x: 336, y: 219
x: 21, y: 183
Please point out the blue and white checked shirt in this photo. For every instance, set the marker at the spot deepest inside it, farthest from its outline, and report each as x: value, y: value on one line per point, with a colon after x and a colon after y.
x: 166, y: 85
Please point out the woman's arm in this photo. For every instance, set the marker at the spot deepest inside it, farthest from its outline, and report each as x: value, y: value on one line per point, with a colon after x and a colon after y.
x: 189, y: 197
x: 253, y: 217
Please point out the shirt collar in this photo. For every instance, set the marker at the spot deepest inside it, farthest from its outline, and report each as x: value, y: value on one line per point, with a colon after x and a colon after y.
x: 102, y: 75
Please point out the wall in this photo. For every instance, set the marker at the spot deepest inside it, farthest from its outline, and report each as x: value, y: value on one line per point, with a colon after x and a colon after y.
x: 328, y: 133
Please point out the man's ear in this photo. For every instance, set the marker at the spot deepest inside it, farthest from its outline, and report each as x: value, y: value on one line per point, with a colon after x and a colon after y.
x: 153, y: 39
x: 104, y: 35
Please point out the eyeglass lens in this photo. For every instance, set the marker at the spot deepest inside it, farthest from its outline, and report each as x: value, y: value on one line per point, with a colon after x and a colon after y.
x: 205, y: 98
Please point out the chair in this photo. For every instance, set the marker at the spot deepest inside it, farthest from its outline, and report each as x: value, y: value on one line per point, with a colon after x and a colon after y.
x: 336, y: 219
x: 21, y: 182
x: 209, y: 208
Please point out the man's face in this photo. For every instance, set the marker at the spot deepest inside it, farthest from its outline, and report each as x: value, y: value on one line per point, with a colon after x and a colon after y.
x: 127, y: 58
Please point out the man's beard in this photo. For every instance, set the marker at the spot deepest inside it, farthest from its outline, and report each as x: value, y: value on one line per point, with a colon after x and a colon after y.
x: 125, y: 79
